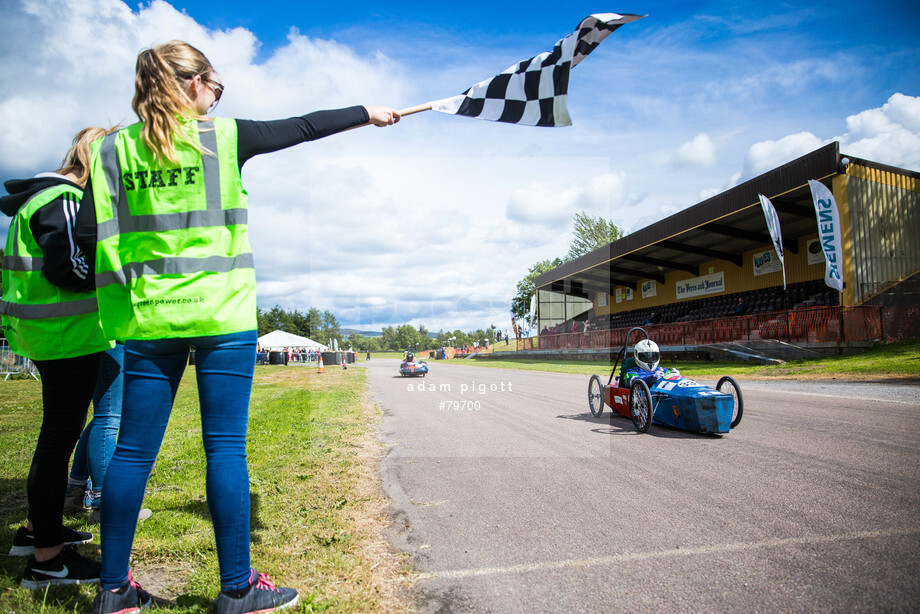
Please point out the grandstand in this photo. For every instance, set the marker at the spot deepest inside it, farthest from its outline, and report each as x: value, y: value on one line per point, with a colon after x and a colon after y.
x: 686, y: 273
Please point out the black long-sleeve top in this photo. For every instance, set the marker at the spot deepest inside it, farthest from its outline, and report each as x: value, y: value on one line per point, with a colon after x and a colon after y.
x: 253, y: 138
x: 53, y: 227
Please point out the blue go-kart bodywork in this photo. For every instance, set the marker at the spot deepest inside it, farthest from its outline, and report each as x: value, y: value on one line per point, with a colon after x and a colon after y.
x: 673, y: 400
x: 413, y: 368
x: 686, y: 404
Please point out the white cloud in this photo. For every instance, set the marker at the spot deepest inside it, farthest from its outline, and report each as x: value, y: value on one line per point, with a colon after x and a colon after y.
x: 555, y: 204
x: 309, y: 73
x: 889, y: 134
x: 73, y: 66
x: 401, y: 236
x: 767, y: 155
x: 535, y: 203
x: 699, y: 152
x: 786, y: 78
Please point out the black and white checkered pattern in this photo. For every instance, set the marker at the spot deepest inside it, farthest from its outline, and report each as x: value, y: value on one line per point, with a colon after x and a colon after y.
x: 533, y: 92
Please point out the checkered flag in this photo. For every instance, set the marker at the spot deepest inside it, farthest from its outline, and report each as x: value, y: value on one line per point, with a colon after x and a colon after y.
x: 533, y: 92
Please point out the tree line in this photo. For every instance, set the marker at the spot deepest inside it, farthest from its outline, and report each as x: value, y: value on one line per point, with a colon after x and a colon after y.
x: 318, y: 326
x: 324, y: 328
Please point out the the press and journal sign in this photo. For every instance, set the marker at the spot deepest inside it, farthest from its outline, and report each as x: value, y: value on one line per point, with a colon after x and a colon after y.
x: 700, y: 286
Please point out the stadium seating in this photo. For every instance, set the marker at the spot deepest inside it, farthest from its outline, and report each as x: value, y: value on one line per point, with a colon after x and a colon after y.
x: 714, y: 316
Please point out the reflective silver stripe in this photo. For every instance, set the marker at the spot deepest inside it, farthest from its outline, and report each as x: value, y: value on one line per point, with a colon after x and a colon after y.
x: 171, y: 221
x: 13, y: 231
x: 112, y: 171
x: 22, y: 263
x: 51, y: 310
x: 175, y: 266
x: 207, y: 134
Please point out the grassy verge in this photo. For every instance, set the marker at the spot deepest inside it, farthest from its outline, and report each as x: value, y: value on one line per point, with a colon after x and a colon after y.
x: 317, y: 509
x: 899, y: 360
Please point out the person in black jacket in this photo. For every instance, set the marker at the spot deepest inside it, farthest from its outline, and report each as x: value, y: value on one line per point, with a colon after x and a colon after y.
x: 741, y: 308
x: 46, y: 324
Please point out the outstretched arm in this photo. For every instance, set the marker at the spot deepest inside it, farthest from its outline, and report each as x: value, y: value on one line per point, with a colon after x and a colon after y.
x: 259, y: 137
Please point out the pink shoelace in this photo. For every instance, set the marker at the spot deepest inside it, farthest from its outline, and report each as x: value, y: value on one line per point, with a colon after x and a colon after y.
x: 265, y: 583
x: 131, y: 581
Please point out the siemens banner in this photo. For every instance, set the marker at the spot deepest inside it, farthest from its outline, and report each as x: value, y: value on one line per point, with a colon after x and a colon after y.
x: 700, y: 286
x: 829, y: 233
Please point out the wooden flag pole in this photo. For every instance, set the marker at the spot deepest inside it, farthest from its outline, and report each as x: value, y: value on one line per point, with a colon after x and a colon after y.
x: 416, y: 109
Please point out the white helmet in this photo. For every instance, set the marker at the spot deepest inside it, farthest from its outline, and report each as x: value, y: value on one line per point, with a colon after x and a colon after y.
x: 647, y: 355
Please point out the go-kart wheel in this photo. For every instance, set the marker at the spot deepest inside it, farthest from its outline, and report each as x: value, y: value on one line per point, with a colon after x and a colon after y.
x: 729, y: 386
x: 595, y: 396
x: 640, y: 405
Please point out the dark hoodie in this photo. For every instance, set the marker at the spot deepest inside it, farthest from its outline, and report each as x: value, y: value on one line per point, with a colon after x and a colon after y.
x: 53, y: 228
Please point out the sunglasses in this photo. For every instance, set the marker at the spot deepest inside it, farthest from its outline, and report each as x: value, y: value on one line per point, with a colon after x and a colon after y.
x: 218, y: 90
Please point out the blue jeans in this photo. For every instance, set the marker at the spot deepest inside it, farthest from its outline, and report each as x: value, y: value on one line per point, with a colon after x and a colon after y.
x: 97, y: 443
x: 224, y: 366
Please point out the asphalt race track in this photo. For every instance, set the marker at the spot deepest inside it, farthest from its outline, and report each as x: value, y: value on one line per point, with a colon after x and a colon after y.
x: 510, y: 497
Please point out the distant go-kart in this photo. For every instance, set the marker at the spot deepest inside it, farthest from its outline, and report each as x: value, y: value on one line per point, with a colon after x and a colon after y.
x: 410, y: 368
x: 673, y: 400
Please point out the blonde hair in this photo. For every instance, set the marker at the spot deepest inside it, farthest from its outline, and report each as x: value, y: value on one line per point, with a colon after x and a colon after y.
x: 160, y: 97
x: 76, y: 160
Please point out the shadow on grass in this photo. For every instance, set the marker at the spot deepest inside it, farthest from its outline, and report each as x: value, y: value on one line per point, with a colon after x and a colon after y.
x: 13, y: 501
x: 199, y: 507
x: 70, y: 598
x: 13, y: 513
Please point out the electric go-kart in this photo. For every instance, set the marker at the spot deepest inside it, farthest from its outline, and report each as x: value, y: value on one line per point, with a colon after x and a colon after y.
x: 673, y: 400
x: 410, y: 368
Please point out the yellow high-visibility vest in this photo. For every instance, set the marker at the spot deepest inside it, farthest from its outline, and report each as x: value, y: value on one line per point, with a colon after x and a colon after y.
x: 172, y: 248
x: 40, y: 320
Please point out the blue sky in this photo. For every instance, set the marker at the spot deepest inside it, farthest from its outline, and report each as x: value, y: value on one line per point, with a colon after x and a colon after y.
x: 434, y: 221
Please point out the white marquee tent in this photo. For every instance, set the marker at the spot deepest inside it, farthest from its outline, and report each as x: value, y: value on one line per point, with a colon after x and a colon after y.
x: 277, y: 340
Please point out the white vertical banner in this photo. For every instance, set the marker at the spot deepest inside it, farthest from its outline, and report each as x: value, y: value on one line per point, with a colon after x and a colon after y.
x: 769, y: 212
x: 829, y: 233
x: 532, y: 316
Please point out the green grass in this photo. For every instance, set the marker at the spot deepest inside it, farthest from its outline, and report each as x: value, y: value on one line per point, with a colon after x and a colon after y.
x: 316, y: 509
x: 899, y: 360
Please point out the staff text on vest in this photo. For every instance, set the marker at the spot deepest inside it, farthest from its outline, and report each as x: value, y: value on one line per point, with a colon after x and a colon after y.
x: 141, y: 180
